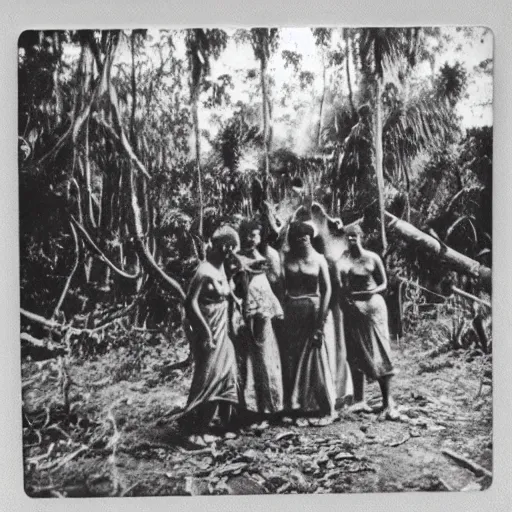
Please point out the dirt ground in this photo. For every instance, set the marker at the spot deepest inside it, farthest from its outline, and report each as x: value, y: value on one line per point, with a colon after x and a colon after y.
x: 94, y: 428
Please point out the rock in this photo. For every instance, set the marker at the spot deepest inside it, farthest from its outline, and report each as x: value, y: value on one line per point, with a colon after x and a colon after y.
x: 230, y: 435
x: 364, y: 428
x: 330, y: 465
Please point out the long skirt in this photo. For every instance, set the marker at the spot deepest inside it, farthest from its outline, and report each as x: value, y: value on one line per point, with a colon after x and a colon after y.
x: 260, y: 367
x: 215, y: 371
x: 367, y: 337
x: 308, y: 372
x: 259, y: 359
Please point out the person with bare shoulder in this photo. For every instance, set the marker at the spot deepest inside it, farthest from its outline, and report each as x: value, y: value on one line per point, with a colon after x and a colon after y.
x: 259, y: 358
x: 308, y: 380
x: 363, y: 279
x: 213, y: 393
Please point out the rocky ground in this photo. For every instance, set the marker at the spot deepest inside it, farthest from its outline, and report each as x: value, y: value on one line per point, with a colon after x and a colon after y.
x: 92, y: 427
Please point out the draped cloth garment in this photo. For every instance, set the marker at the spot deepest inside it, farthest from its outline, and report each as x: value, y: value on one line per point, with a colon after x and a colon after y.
x: 215, y: 370
x: 340, y: 368
x: 308, y: 376
x: 258, y: 352
x: 367, y: 337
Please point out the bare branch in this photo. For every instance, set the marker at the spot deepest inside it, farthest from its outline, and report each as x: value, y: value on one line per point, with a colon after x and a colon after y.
x: 72, y: 273
x: 145, y: 255
x: 90, y: 241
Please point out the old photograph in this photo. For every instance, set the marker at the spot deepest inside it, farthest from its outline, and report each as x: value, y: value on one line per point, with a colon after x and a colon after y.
x: 255, y: 260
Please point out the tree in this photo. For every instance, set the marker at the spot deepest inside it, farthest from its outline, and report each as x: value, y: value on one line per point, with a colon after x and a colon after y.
x: 201, y: 44
x: 322, y: 38
x: 381, y: 47
x: 264, y: 42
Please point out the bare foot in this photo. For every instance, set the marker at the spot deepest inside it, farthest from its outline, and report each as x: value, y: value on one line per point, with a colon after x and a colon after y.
x: 390, y: 414
x: 302, y: 422
x: 325, y: 420
x: 197, y: 440
x: 359, y: 407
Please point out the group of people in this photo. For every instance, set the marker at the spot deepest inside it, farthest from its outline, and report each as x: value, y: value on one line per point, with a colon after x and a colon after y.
x: 284, y: 335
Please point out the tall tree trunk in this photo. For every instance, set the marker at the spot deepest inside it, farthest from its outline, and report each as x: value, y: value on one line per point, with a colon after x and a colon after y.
x: 322, y: 100
x: 264, y: 100
x: 377, y: 135
x: 195, y: 119
x: 452, y: 258
x: 347, y: 68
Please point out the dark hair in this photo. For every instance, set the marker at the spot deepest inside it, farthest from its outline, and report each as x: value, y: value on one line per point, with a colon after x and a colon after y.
x: 226, y: 235
x: 247, y: 227
x: 297, y: 229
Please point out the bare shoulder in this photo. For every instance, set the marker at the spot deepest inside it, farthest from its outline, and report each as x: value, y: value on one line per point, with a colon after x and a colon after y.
x: 320, y: 259
x: 204, y: 271
x: 373, y: 256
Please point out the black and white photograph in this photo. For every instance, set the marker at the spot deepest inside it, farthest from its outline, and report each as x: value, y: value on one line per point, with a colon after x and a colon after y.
x: 255, y: 261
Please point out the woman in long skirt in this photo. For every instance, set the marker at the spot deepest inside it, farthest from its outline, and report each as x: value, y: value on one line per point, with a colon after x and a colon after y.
x: 213, y: 392
x: 308, y: 333
x: 259, y: 359
x: 363, y: 278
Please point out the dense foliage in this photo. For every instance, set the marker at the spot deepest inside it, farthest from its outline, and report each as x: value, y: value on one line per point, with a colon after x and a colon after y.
x: 132, y: 149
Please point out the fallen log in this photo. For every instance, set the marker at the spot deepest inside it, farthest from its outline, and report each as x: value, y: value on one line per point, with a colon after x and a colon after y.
x: 455, y: 259
x: 468, y: 464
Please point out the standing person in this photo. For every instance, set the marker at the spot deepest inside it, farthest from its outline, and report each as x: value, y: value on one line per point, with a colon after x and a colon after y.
x: 213, y: 392
x: 308, y: 335
x: 261, y: 376
x: 362, y: 280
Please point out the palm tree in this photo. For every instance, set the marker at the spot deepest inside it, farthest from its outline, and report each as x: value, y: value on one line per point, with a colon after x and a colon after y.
x: 380, y: 48
x: 264, y: 42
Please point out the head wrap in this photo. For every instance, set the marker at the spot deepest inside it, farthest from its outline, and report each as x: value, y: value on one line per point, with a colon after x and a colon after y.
x: 354, y: 229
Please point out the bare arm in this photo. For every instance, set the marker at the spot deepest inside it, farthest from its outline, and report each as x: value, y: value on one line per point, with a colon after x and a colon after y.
x: 192, y: 303
x: 379, y: 275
